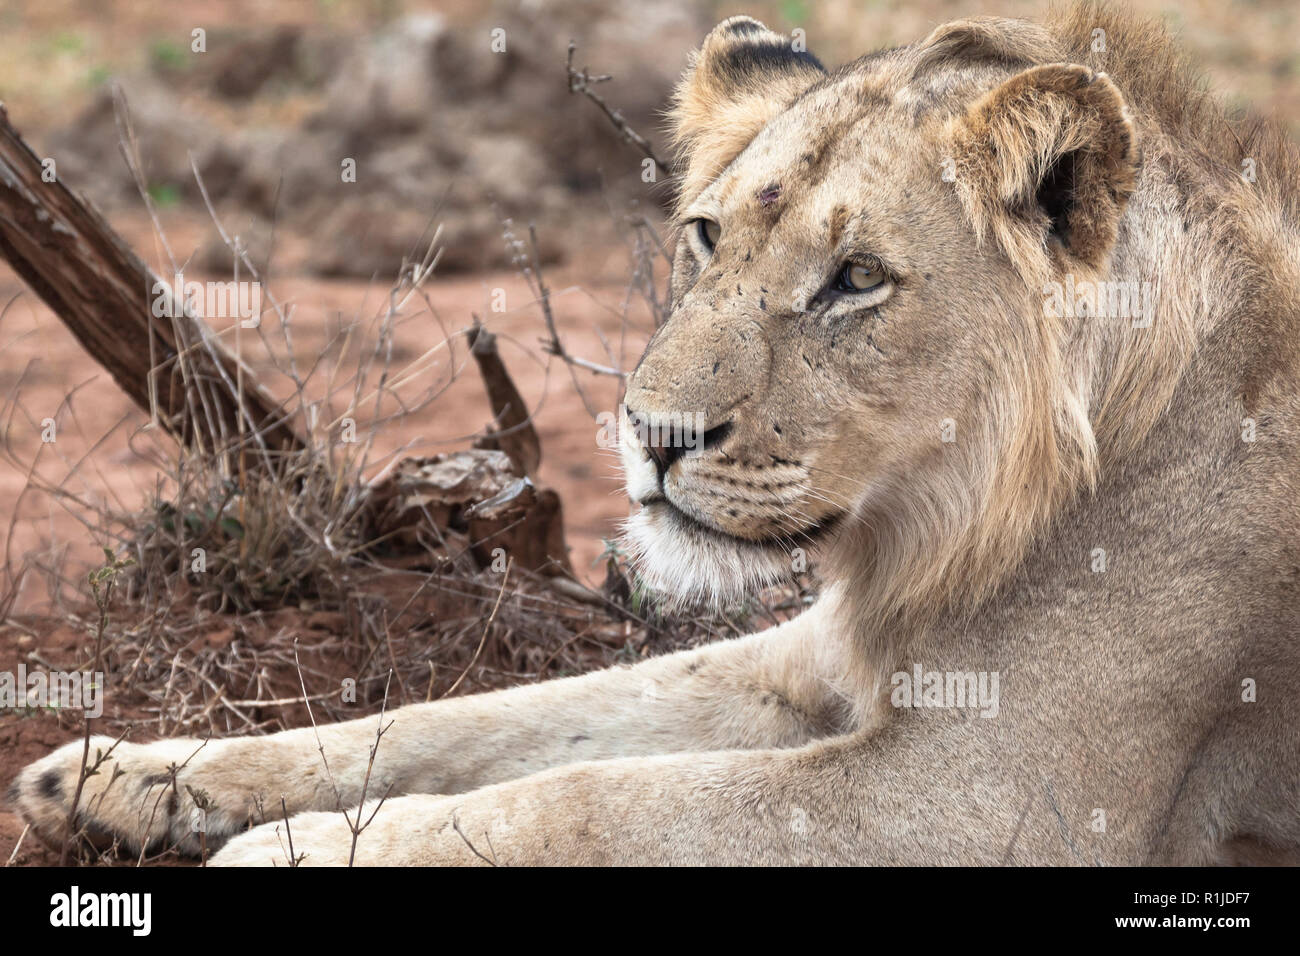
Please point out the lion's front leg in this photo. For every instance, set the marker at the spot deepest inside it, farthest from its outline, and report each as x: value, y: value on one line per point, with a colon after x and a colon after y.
x: 925, y: 790
x: 733, y: 807
x: 779, y: 688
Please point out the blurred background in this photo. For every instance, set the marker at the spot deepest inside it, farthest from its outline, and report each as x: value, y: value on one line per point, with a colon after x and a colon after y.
x: 445, y: 130
x: 439, y: 120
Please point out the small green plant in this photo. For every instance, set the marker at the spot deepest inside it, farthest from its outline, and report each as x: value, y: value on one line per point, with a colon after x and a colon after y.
x: 67, y: 43
x: 164, y: 194
x: 102, y: 581
x: 97, y: 76
x: 167, y: 55
x: 794, y: 11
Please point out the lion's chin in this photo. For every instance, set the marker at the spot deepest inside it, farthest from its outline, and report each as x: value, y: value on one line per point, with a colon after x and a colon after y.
x: 689, y: 566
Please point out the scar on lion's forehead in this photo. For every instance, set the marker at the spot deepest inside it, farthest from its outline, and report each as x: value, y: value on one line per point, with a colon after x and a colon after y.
x: 769, y: 194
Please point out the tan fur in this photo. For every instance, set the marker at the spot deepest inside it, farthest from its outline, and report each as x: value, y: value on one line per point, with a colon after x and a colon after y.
x: 957, y: 452
x: 720, y: 105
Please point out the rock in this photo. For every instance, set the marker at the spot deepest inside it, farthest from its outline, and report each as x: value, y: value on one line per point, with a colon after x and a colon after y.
x: 385, y: 86
x: 242, y: 68
x: 165, y: 130
x: 442, y: 130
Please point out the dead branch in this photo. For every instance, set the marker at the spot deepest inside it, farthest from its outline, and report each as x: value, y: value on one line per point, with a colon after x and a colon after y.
x: 294, y: 861
x: 18, y: 846
x: 455, y: 825
x: 102, y: 582
x: 486, y: 627
x: 68, y: 254
x: 514, y: 433
x: 580, y: 81
x: 530, y: 266
x: 357, y: 826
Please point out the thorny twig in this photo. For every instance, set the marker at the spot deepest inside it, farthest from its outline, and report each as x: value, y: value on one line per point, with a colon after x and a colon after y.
x: 294, y: 860
x: 374, y: 749
x: 338, y: 797
x: 102, y: 581
x: 580, y: 81
x: 18, y: 846
x: 455, y: 824
x: 553, y: 345
x: 486, y: 627
x: 173, y: 772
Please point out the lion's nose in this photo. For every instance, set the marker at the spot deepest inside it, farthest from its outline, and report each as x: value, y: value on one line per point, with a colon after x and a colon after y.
x: 668, y: 438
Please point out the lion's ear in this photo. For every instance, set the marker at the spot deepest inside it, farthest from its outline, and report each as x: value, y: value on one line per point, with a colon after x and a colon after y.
x: 1051, y: 154
x: 741, y: 78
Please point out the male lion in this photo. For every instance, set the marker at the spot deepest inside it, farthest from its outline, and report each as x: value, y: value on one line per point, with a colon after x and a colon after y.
x: 895, y: 310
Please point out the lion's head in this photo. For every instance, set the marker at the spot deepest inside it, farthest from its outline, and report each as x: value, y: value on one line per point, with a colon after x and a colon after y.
x: 859, y: 357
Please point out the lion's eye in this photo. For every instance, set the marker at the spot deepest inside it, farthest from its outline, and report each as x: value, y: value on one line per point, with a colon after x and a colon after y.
x: 861, y: 277
x: 710, y: 233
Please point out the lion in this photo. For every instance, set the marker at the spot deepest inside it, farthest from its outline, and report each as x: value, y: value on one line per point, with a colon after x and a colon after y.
x: 894, y: 315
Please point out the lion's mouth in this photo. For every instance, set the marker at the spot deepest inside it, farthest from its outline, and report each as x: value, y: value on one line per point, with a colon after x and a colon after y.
x: 782, y: 541
x: 692, y: 563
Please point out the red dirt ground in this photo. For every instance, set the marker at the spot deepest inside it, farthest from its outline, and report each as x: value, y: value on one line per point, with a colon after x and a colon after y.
x: 44, y: 369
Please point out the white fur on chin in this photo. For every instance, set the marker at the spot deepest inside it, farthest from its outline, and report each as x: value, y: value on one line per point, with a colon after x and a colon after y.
x: 689, y: 566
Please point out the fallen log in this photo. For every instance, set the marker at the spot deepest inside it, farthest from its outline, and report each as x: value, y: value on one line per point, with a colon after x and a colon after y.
x: 157, y: 349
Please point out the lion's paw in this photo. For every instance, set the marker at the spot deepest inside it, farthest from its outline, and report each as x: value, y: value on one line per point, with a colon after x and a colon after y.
x: 135, y: 795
